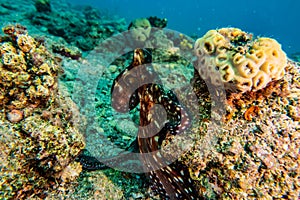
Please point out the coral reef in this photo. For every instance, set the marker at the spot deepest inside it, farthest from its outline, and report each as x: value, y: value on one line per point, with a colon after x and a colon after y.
x: 257, y: 150
x: 157, y: 22
x: 70, y: 52
x: 185, y: 44
x: 140, y: 29
x: 91, y: 13
x: 28, y: 72
x: 148, y: 31
x: 39, y: 123
x: 42, y: 5
x: 296, y: 57
x: 161, y: 40
x: 78, y: 28
x: 256, y: 155
x: 243, y: 63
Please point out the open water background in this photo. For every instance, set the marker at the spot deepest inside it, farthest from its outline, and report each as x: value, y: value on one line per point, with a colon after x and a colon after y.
x: 279, y: 19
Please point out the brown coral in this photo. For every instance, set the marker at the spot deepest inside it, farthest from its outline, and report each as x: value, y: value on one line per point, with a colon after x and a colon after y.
x: 28, y: 71
x: 25, y: 42
x: 39, y: 138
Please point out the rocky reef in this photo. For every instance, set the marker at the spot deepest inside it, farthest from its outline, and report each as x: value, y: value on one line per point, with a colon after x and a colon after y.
x: 296, y: 57
x: 259, y: 136
x: 42, y: 6
x: 39, y: 135
x: 256, y: 152
x: 84, y: 29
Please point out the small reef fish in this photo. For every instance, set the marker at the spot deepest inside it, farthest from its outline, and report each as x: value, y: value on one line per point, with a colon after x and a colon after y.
x: 169, y: 181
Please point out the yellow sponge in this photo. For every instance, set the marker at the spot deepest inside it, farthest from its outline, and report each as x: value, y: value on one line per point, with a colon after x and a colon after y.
x: 241, y: 62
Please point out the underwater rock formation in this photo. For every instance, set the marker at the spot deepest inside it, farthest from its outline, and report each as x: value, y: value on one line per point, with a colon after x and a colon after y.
x: 244, y: 63
x: 77, y: 28
x: 185, y: 44
x: 39, y: 137
x: 296, y: 57
x: 28, y: 71
x: 148, y: 31
x: 42, y: 5
x: 69, y: 52
x: 157, y: 22
x: 256, y: 154
x: 140, y: 29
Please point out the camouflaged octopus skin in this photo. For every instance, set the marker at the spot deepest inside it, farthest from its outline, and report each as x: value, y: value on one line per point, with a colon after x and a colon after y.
x: 172, y: 181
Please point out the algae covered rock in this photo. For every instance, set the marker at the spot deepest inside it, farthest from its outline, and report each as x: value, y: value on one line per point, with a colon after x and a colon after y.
x: 158, y: 22
x: 83, y: 29
x: 42, y: 5
x: 255, y: 154
x: 140, y: 29
x: 243, y: 63
x: 39, y: 136
x: 28, y: 71
x: 148, y: 30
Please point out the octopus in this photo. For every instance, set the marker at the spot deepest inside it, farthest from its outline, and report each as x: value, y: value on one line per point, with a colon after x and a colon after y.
x: 169, y: 181
x: 137, y: 85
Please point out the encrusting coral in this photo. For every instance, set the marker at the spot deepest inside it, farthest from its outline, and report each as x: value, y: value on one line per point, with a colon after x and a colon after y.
x: 28, y: 71
x: 243, y: 63
x: 39, y: 137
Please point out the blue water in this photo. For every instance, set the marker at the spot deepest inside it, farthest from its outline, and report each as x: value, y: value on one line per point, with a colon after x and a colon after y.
x: 277, y: 19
